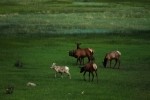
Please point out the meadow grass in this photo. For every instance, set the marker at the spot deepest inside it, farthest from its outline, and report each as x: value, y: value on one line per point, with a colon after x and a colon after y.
x: 130, y: 82
x: 43, y: 31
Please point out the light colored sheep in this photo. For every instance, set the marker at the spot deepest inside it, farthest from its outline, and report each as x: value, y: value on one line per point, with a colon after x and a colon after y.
x: 31, y: 84
x: 61, y: 70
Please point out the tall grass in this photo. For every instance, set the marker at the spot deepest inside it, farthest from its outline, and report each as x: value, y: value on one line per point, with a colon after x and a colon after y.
x: 68, y: 19
x: 45, y: 17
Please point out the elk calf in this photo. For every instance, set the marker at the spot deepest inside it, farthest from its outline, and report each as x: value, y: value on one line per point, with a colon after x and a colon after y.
x: 89, y: 67
x: 61, y: 70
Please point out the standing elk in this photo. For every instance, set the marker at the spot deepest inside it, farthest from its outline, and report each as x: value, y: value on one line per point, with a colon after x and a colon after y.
x: 113, y: 55
x: 81, y: 53
x: 61, y: 70
x: 89, y: 67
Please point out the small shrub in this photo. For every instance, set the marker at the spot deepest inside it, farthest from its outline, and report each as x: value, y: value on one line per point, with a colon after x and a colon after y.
x: 9, y: 89
x: 18, y: 64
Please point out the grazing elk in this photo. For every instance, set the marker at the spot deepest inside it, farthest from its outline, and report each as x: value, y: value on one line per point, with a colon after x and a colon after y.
x: 81, y: 53
x: 113, y: 55
x: 61, y: 70
x: 89, y: 67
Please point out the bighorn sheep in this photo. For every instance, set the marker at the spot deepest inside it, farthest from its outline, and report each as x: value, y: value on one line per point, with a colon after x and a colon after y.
x: 61, y: 70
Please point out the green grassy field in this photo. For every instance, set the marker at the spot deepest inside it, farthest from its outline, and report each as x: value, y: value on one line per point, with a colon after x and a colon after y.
x: 40, y: 32
x: 130, y: 82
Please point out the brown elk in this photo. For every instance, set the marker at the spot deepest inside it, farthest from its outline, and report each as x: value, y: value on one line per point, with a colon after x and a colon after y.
x: 82, y: 53
x: 113, y: 55
x: 89, y: 67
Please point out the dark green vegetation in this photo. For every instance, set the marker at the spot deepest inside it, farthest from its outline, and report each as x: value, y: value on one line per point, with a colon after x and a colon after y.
x: 42, y: 32
x: 45, y: 17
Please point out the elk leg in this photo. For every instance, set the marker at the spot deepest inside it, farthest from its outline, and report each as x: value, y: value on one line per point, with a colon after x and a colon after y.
x: 96, y: 75
x: 89, y: 59
x: 115, y: 63
x: 84, y: 76
x: 119, y: 63
x: 83, y: 60
x: 110, y: 63
x: 92, y: 76
x: 89, y: 76
x: 79, y: 60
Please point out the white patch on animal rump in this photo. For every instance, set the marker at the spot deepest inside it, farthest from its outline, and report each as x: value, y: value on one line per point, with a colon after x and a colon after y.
x: 95, y: 66
x: 119, y: 52
x: 90, y: 49
x: 67, y: 68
